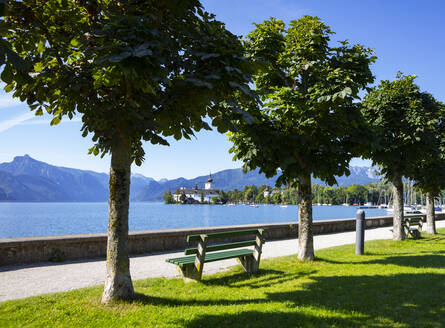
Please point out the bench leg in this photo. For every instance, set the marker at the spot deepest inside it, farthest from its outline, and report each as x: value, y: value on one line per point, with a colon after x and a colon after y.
x: 415, y: 234
x: 189, y: 273
x: 193, y: 271
x: 250, y: 265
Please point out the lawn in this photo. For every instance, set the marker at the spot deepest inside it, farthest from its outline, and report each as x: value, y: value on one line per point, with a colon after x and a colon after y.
x: 395, y: 284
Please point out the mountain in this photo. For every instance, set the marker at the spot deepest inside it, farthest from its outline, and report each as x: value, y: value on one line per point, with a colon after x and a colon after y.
x: 27, y: 179
x: 359, y: 175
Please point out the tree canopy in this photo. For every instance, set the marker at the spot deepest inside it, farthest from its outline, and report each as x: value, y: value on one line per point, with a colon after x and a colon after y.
x: 429, y: 172
x: 309, y: 89
x: 146, y: 69
x: 404, y: 123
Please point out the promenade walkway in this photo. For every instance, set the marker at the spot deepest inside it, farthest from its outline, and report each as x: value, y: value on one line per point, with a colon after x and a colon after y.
x: 30, y: 280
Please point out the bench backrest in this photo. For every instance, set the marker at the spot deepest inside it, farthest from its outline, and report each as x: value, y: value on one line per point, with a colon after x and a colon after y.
x: 413, y: 221
x: 256, y: 233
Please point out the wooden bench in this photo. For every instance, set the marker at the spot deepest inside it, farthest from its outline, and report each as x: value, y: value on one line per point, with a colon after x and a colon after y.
x: 191, y: 267
x: 413, y: 226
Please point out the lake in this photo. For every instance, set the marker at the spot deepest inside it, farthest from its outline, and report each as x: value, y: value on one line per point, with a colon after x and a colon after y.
x: 43, y: 219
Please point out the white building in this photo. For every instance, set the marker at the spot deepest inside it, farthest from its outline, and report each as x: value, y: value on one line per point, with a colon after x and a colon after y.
x: 195, y: 195
x: 269, y: 192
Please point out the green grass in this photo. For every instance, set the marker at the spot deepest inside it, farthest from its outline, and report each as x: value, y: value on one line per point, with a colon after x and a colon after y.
x: 395, y: 284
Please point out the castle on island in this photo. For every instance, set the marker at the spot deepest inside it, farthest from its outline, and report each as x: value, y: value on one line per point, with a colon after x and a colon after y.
x: 196, y: 195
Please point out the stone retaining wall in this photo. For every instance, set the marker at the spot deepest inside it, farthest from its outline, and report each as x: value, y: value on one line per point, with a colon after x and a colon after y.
x: 89, y: 246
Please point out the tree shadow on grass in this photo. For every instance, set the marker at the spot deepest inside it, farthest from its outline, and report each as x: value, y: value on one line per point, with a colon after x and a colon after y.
x: 434, y: 261
x: 178, y: 302
x: 260, y: 279
x: 405, y: 300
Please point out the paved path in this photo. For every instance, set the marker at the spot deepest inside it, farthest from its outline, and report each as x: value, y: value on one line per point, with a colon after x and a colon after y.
x: 30, y: 280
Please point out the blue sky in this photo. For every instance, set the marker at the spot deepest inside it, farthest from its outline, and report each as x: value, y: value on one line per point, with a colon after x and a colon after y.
x: 407, y: 36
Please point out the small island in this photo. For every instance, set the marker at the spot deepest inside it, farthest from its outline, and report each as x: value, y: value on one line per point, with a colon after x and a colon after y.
x: 195, y: 195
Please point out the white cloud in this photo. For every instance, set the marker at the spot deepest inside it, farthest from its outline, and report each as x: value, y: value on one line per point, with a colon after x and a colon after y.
x: 8, y: 101
x: 24, y: 119
x: 7, y: 124
x: 44, y: 121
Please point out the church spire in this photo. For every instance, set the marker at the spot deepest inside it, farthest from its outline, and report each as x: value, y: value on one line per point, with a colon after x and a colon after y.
x: 209, y: 182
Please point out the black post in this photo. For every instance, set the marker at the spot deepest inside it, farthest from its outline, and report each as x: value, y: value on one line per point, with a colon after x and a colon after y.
x: 360, y: 233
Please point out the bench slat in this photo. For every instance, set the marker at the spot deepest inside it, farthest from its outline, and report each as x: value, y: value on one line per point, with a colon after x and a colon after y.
x: 223, y: 234
x: 181, y: 261
x: 414, y: 219
x: 221, y: 247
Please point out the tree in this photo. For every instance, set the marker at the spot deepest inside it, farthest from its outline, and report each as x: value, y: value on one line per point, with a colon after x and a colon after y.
x: 250, y: 193
x: 357, y: 193
x: 134, y: 71
x: 223, y: 196
x: 168, y: 197
x: 202, y: 198
x: 259, y: 198
x: 309, y: 119
x: 8, y: 57
x: 430, y: 170
x: 183, y: 197
x: 402, y: 123
x: 276, y: 197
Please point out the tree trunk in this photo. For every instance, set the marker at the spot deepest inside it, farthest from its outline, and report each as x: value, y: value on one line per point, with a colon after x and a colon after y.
x: 305, y: 235
x: 430, y: 215
x: 398, y: 231
x: 118, y: 284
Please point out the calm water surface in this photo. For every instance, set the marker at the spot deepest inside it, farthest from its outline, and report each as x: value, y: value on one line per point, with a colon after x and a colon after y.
x: 42, y: 219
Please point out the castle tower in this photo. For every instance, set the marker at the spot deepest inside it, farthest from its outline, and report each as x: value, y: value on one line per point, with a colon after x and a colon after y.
x: 209, y: 182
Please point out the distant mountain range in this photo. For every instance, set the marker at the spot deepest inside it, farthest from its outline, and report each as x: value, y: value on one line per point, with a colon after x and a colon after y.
x: 28, y: 180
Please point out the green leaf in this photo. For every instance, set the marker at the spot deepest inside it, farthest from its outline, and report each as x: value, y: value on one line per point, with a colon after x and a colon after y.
x: 75, y: 42
x: 119, y: 57
x: 18, y: 62
x: 41, y: 46
x: 241, y: 87
x: 346, y: 91
x: 56, y: 120
x: 38, y: 67
x: 141, y: 51
x: 207, y: 56
x: 200, y: 83
x: 9, y: 87
x: 7, y: 75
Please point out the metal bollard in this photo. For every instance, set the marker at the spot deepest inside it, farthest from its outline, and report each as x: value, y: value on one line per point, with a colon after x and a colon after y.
x: 360, y: 233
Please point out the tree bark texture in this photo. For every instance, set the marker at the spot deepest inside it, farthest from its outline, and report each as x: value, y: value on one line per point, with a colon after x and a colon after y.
x: 305, y: 234
x: 430, y: 215
x: 118, y: 284
x: 398, y: 232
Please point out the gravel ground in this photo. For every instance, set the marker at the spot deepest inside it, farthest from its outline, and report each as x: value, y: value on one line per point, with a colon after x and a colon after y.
x: 30, y: 280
